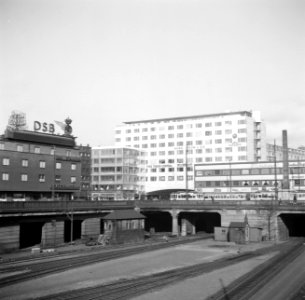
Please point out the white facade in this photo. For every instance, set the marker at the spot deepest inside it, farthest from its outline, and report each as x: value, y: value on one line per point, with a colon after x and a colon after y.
x: 174, y: 144
x: 248, y: 177
x: 118, y: 173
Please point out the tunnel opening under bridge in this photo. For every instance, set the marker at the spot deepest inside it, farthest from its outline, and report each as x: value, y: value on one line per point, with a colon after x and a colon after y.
x: 157, y: 221
x: 292, y: 225
x: 30, y: 234
x: 199, y: 222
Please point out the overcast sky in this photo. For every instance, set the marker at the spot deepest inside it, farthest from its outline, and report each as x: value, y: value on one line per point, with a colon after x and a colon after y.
x: 103, y: 62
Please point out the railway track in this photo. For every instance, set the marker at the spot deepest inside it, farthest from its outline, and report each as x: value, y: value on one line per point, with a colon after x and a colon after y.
x: 58, y: 264
x: 128, y: 288
x: 246, y: 286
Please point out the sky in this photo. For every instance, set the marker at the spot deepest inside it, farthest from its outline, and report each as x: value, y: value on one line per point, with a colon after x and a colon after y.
x: 104, y: 62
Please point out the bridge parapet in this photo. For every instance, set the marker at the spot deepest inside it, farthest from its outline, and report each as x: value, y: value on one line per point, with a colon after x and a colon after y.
x: 7, y: 208
x: 220, y: 205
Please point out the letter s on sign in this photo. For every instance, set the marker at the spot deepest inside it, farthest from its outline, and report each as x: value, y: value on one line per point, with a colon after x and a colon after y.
x: 37, y: 125
x: 45, y: 128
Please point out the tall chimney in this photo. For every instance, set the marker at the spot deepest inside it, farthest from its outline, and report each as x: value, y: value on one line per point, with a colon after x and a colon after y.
x: 285, y: 182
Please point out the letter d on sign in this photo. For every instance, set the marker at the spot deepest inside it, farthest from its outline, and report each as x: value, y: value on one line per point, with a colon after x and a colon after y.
x: 37, y: 125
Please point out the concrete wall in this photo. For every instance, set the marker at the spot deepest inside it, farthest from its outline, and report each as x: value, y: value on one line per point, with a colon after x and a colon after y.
x: 283, y: 232
x: 128, y: 236
x: 52, y: 234
x: 187, y: 227
x: 9, y: 238
x: 90, y: 228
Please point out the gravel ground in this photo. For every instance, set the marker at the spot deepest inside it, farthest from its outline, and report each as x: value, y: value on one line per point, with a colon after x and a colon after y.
x: 204, y: 286
x: 143, y: 264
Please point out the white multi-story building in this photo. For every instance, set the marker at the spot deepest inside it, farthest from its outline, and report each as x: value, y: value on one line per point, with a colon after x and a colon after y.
x: 293, y: 154
x: 118, y: 173
x: 248, y: 177
x: 174, y: 145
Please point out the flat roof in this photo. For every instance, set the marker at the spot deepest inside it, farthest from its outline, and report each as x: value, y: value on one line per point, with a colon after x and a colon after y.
x: 40, y: 138
x: 244, y: 112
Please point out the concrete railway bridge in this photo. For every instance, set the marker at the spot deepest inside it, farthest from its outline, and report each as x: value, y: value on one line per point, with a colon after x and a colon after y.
x: 25, y: 224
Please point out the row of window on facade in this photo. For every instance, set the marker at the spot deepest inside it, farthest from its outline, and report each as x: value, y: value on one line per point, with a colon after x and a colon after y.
x: 125, y: 161
x: 188, y: 134
x: 209, y: 159
x: 216, y: 158
x: 199, y: 151
x: 126, y: 170
x: 113, y: 178
x: 36, y: 149
x: 187, y: 126
x: 130, y: 224
x: 118, y: 151
x: 258, y: 171
x: 115, y: 187
x: 169, y: 178
x: 40, y: 178
x: 242, y: 183
x: 42, y: 164
x: 192, y: 143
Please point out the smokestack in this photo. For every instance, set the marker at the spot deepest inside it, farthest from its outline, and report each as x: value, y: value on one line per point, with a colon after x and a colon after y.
x: 285, y: 183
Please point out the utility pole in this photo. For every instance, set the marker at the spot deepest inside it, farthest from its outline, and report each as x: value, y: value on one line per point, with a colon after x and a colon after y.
x: 271, y: 210
x: 54, y: 174
x: 230, y: 176
x: 275, y: 174
x: 299, y: 174
x: 186, y: 179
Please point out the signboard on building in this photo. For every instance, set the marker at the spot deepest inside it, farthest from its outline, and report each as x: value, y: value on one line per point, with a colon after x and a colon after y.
x: 44, y: 127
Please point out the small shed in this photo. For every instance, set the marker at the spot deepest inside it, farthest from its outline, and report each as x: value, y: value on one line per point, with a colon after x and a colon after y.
x: 221, y: 234
x: 239, y: 232
x: 124, y: 226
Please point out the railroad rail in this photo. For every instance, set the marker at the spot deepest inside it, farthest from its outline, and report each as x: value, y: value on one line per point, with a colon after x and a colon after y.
x: 59, y: 264
x: 127, y: 288
x: 246, y: 286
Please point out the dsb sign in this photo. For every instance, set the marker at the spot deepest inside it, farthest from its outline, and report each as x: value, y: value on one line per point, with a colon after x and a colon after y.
x: 44, y: 127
